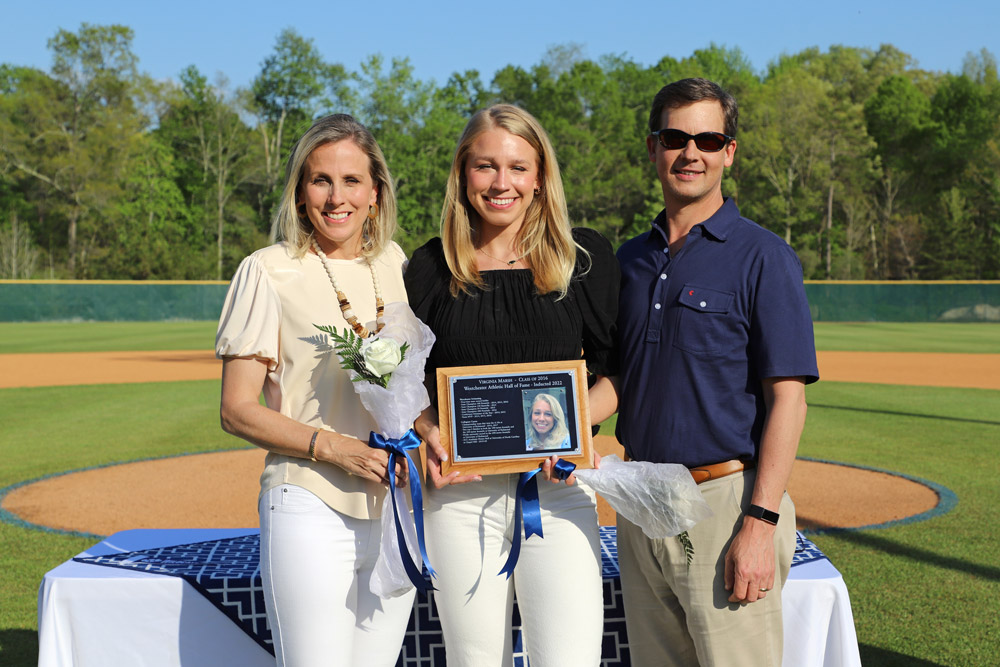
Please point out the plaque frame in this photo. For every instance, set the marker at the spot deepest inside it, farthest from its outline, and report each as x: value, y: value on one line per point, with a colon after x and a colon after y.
x: 492, y: 423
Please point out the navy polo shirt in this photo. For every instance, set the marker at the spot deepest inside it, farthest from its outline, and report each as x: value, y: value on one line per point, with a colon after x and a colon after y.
x: 698, y: 332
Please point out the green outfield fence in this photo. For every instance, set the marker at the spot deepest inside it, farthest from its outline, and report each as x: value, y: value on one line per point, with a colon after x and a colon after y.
x: 109, y: 300
x: 835, y: 301
x: 904, y: 301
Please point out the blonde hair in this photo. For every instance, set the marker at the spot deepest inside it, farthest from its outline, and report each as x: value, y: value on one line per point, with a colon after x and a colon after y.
x: 545, y: 237
x: 558, y: 432
x: 290, y: 222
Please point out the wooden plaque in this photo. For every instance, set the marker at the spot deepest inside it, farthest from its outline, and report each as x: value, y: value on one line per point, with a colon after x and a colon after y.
x: 508, y: 418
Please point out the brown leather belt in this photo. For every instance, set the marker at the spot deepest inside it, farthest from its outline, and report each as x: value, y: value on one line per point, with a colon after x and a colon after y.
x: 717, y: 470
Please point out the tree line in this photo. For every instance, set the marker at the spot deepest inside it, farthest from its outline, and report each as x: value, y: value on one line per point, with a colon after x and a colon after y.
x: 870, y: 167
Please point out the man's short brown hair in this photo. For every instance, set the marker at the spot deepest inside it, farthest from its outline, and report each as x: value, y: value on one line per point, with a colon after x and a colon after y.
x: 688, y: 91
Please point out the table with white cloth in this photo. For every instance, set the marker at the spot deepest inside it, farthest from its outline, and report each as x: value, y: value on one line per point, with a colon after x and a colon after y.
x: 193, y: 598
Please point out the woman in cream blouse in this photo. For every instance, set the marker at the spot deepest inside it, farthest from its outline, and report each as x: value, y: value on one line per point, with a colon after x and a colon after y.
x: 322, y: 487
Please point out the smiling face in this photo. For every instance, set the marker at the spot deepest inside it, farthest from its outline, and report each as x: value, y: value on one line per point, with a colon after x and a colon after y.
x: 336, y: 190
x: 541, y: 417
x: 689, y: 176
x: 501, y: 174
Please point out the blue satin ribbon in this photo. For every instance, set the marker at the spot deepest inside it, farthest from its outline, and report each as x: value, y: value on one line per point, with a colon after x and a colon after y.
x: 400, y: 447
x: 526, y: 505
x: 563, y: 469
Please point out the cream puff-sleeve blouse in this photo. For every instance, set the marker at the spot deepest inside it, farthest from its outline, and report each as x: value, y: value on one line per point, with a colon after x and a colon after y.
x: 273, y: 301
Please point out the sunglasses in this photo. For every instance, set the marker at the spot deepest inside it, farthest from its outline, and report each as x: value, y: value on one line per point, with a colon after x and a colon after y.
x: 708, y: 142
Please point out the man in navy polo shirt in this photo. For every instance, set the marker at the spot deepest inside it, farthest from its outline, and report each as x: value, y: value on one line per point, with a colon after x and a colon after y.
x: 717, y: 347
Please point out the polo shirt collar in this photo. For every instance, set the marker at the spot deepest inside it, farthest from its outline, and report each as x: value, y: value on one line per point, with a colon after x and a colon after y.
x: 718, y: 226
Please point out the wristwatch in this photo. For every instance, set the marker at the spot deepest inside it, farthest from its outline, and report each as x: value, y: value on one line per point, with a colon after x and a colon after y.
x: 758, y: 512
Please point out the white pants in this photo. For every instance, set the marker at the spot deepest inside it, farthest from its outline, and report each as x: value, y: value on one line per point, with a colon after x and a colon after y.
x: 557, y: 578
x: 316, y: 563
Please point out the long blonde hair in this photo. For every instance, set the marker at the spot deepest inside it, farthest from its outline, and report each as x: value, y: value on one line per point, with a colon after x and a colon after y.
x: 558, y: 432
x: 291, y: 224
x: 545, y: 237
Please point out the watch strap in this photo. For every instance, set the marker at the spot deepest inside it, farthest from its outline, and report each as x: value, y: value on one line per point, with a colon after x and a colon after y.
x: 758, y: 512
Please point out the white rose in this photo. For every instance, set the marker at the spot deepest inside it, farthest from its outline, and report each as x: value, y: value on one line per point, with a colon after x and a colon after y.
x: 382, y: 356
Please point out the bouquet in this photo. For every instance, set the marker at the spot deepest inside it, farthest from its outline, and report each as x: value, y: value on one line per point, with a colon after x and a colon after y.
x: 371, y: 360
x: 388, y: 375
x: 660, y: 498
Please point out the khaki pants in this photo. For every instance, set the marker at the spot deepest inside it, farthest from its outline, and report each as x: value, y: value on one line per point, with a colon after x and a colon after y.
x: 679, y: 615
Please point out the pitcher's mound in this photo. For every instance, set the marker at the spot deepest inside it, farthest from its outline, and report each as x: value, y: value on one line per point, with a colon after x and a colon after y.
x: 219, y: 490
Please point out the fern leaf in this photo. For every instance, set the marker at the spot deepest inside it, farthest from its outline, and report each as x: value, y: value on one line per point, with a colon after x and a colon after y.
x: 685, y: 541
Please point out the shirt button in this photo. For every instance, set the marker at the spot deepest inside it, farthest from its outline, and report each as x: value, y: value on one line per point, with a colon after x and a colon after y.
x: 663, y: 276
x: 666, y: 251
x: 702, y: 304
x: 656, y: 305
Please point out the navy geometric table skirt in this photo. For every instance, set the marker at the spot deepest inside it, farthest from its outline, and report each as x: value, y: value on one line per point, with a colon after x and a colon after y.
x: 227, y: 572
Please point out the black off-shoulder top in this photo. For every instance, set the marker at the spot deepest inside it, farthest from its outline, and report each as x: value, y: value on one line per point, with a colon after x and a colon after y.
x: 508, y: 322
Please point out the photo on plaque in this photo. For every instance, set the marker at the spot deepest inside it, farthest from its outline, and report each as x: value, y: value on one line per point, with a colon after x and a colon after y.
x: 510, y: 417
x: 545, y: 420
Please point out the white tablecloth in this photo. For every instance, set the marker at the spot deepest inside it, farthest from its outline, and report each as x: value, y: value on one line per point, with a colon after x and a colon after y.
x: 819, y: 625
x: 91, y: 615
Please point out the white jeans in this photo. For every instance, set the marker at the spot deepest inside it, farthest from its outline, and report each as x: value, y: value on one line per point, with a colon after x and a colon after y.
x: 316, y: 563
x: 557, y: 578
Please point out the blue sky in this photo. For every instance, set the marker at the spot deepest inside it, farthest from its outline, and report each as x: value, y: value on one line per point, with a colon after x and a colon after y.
x: 442, y: 37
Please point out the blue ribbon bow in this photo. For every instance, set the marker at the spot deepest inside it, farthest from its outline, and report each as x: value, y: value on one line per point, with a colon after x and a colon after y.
x: 526, y: 505
x: 400, y: 447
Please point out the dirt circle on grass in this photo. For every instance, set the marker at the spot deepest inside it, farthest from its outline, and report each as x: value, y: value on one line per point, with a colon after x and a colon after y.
x: 219, y: 490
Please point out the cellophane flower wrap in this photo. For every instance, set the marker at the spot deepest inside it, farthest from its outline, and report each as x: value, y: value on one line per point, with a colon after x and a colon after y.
x: 394, y: 409
x: 660, y: 498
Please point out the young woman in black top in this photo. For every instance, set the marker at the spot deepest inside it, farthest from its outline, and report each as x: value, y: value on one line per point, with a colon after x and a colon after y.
x: 510, y: 281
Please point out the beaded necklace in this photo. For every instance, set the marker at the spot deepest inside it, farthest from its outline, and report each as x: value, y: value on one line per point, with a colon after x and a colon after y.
x: 345, y: 305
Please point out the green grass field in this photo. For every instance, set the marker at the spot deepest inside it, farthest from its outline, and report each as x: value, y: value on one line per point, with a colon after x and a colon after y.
x: 35, y: 337
x: 922, y: 593
x: 44, y: 337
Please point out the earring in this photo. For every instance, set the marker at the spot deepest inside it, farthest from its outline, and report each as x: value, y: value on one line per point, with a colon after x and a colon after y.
x: 368, y: 234
x: 373, y: 212
x: 538, y: 189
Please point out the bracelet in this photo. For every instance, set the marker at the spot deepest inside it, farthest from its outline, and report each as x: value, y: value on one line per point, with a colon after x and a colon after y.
x: 765, y: 515
x: 312, y: 444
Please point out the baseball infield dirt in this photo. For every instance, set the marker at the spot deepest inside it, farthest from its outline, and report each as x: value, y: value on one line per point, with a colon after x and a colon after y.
x: 980, y: 371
